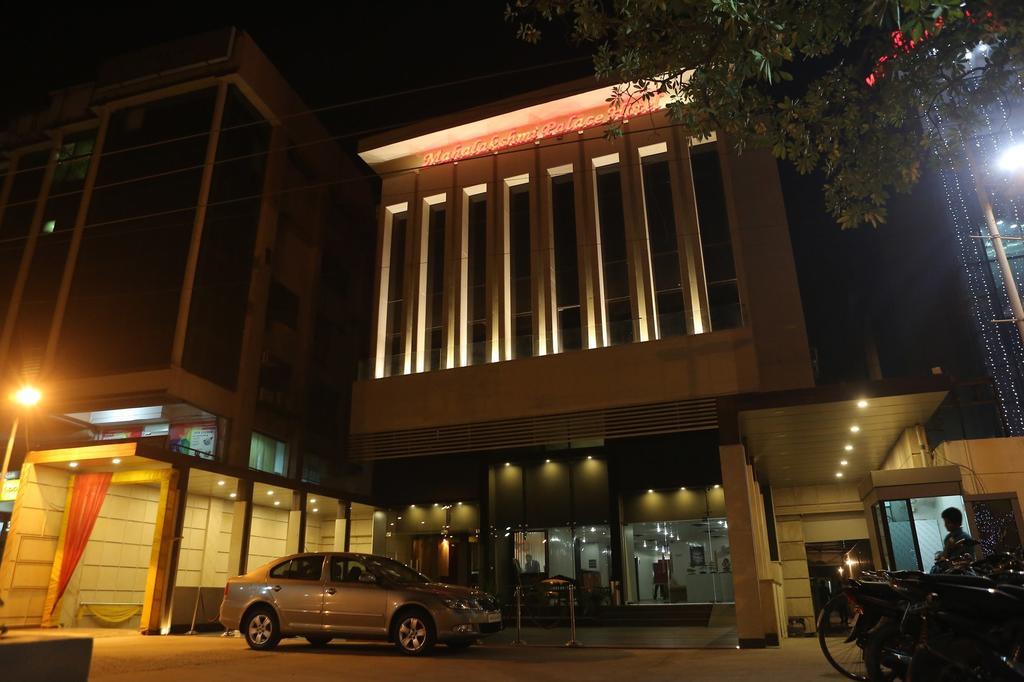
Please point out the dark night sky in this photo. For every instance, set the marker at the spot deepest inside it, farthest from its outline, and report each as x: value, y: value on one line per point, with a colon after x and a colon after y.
x: 900, y: 282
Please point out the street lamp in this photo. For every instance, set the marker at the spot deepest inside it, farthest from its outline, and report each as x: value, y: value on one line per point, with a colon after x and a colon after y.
x: 26, y: 396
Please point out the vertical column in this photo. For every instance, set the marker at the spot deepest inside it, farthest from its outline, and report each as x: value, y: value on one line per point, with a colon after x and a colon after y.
x: 454, y: 268
x: 296, y: 541
x: 171, y: 534
x: 341, y: 528
x: 587, y: 249
x: 348, y: 527
x: 497, y: 252
x: 543, y: 271
x: 30, y: 248
x: 250, y: 355
x: 241, y: 525
x: 381, y: 278
x: 198, y: 223
x: 638, y: 247
x: 691, y: 259
x: 76, y: 240
x: 411, y: 279
x: 739, y: 514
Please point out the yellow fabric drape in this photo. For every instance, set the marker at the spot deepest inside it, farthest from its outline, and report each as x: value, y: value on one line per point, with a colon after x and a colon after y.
x: 112, y: 614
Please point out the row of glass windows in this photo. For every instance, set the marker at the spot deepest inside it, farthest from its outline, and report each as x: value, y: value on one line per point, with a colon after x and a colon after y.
x: 619, y: 317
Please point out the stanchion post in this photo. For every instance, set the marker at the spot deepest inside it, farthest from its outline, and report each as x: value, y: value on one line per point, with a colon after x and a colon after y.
x: 518, y: 641
x: 572, y: 617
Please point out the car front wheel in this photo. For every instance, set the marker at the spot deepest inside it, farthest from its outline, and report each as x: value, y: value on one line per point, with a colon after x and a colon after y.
x: 414, y: 633
x: 261, y: 629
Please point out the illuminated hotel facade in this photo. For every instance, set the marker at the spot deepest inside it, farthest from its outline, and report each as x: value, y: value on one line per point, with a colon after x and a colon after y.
x: 562, y: 323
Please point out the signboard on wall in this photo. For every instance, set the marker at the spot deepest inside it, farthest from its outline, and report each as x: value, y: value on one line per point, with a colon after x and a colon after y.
x: 10, y: 489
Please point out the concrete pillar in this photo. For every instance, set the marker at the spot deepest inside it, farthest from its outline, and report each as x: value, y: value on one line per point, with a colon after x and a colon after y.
x: 739, y: 511
x: 296, y: 537
x: 241, y: 523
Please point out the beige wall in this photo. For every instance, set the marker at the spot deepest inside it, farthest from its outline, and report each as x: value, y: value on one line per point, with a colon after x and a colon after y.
x: 116, y: 560
x: 206, y: 542
x: 268, y: 537
x: 368, y: 530
x: 32, y: 544
x: 989, y: 465
x: 910, y: 450
x: 814, y: 513
x: 630, y: 374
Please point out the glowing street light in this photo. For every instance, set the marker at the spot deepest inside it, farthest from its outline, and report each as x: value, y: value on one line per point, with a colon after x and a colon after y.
x: 1012, y: 160
x: 26, y: 396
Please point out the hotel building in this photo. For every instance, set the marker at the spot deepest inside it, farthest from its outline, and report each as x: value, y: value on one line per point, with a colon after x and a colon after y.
x: 181, y: 280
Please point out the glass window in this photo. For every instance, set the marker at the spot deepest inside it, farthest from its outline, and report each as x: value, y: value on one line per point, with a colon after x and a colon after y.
x: 216, y: 316
x: 661, y: 233
x: 477, y: 284
x: 394, y: 344
x: 612, y: 225
x: 519, y: 240
x: 929, y: 527
x: 123, y: 308
x: 299, y: 568
x: 435, y: 287
x: 683, y: 561
x: 901, y: 535
x: 716, y: 242
x: 347, y: 570
x: 567, y: 286
x: 268, y: 454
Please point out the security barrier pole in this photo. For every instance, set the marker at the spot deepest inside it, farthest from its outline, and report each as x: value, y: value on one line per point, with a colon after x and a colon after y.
x: 572, y: 617
x: 518, y: 641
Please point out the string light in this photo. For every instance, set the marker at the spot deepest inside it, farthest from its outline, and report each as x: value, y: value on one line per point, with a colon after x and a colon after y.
x: 1001, y: 345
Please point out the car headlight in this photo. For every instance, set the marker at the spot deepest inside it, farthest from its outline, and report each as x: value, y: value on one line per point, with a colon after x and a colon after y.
x: 461, y: 604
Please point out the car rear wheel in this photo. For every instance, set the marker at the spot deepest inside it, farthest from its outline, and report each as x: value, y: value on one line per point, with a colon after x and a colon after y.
x: 318, y: 640
x: 261, y: 629
x: 414, y: 633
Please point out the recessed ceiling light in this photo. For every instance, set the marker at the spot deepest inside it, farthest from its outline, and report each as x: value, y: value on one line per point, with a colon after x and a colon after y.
x: 862, y: 404
x: 716, y: 486
x: 270, y: 492
x: 399, y: 518
x: 116, y: 460
x: 590, y: 457
x: 848, y: 447
x: 683, y: 488
x: 312, y: 501
x: 459, y: 503
x: 843, y: 462
x: 73, y: 465
x: 508, y: 464
x: 233, y: 495
x: 854, y: 429
x: 277, y: 503
x: 423, y: 523
x: 315, y: 510
x: 839, y: 474
x: 547, y: 461
x: 650, y: 490
x: 220, y: 482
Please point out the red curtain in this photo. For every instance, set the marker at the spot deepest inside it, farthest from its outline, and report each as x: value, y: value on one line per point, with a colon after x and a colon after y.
x: 86, y: 500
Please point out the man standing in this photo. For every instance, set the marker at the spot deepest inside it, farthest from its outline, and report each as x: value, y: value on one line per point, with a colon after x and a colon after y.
x: 958, y: 541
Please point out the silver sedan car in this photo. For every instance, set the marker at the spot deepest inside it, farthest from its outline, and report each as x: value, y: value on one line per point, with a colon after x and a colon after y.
x: 320, y: 596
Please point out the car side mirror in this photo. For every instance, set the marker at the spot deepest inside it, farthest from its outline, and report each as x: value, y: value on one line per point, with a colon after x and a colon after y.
x: 367, y: 578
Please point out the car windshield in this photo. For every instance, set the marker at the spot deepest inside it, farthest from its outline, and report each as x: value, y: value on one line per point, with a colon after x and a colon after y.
x: 392, y: 571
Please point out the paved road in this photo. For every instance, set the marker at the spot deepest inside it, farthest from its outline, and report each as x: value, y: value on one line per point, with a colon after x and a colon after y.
x: 196, y: 659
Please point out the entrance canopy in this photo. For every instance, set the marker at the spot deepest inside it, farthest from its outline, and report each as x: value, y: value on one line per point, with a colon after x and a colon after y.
x: 804, y: 437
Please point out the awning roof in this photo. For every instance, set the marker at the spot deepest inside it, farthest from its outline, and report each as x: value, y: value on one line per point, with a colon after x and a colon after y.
x: 803, y: 442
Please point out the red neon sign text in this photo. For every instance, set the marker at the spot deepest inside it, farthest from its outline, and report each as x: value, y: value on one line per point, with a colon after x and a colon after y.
x: 553, y: 128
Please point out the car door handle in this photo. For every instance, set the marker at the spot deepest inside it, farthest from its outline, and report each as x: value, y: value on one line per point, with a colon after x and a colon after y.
x: 276, y: 588
x: 330, y: 590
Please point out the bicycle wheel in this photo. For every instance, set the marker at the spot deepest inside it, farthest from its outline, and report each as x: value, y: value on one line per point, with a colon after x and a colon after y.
x: 887, y: 653
x: 836, y: 624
